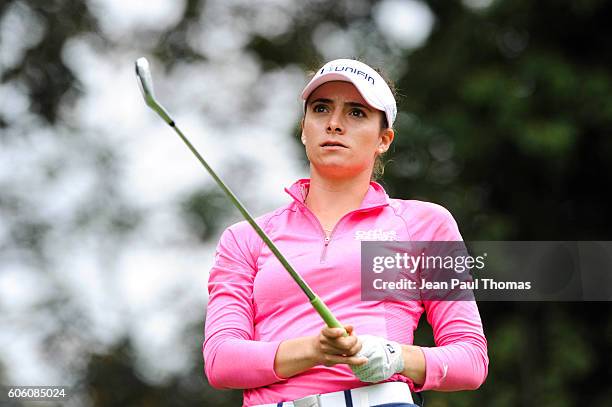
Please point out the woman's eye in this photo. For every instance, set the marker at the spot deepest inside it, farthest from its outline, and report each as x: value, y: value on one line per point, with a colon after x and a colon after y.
x: 357, y: 113
x: 319, y: 108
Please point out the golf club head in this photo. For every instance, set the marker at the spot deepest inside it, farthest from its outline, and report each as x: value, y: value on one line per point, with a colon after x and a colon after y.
x: 145, y: 83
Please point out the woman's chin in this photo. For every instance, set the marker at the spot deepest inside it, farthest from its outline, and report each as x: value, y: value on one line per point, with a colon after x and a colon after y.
x: 338, y: 169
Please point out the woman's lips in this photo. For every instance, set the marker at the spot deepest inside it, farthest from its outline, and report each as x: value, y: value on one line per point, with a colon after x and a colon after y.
x: 334, y: 148
x: 333, y: 145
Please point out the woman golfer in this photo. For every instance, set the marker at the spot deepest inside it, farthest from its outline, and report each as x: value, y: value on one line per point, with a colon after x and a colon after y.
x: 262, y: 334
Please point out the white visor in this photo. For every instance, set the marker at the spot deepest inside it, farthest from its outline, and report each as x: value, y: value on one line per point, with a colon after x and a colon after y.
x: 368, y: 82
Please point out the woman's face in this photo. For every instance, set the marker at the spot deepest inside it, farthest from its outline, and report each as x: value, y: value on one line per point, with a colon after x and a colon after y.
x: 341, y: 132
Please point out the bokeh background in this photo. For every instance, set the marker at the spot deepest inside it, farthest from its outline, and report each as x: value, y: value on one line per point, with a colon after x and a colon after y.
x: 108, y: 224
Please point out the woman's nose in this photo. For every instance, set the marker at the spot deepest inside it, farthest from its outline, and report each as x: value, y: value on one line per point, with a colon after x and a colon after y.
x: 335, y: 125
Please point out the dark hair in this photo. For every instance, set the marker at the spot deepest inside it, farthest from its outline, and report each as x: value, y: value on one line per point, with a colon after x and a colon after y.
x: 379, y: 164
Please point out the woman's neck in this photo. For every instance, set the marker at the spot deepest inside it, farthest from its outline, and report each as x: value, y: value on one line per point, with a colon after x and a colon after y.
x: 330, y: 199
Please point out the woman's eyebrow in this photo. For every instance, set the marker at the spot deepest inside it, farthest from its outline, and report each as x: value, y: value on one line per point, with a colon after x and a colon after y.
x: 321, y: 100
x: 330, y: 102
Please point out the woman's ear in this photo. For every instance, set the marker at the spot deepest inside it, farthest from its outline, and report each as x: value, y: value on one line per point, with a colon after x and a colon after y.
x: 302, y: 128
x: 386, y: 138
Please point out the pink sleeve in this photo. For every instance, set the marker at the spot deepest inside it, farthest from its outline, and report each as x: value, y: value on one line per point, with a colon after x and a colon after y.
x: 459, y: 361
x: 232, y: 358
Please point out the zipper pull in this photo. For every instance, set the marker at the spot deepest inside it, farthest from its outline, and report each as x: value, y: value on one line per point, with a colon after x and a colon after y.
x: 326, y: 240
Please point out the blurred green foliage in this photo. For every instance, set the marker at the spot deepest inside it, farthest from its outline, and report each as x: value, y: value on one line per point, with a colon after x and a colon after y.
x: 202, y: 211
x: 505, y: 119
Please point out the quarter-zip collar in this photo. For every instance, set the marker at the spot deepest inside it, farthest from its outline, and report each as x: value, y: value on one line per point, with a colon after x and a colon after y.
x: 375, y: 197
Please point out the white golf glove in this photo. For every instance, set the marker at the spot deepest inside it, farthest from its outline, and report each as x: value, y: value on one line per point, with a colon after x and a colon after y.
x: 384, y: 359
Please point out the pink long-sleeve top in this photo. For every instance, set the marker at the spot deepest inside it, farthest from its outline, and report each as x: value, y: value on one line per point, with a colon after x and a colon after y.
x: 254, y: 304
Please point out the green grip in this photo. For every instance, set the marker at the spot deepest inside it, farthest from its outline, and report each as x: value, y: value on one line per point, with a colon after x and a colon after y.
x: 326, y: 314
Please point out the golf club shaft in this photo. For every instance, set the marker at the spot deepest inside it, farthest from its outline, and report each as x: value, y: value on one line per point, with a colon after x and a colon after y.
x: 145, y: 82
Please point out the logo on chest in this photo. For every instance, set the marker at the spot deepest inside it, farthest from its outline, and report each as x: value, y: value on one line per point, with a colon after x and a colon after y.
x: 376, y: 234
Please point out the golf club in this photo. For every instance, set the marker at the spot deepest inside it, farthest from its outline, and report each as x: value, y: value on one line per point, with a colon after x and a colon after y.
x: 145, y: 81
